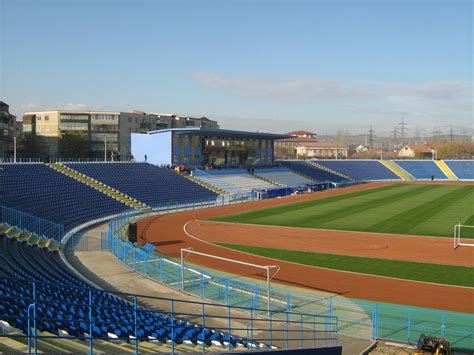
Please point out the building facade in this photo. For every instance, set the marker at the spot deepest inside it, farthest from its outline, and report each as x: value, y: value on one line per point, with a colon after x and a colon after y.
x: 203, y: 146
x: 7, y: 130
x: 169, y: 120
x: 92, y: 133
x: 286, y: 148
x: 323, y: 150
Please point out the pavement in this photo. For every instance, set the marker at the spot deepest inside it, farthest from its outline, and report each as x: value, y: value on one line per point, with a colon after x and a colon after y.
x: 109, y: 274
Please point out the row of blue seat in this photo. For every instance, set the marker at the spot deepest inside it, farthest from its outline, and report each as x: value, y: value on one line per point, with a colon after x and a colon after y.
x: 360, y: 170
x: 44, y: 192
x: 145, y: 182
x: 312, y: 171
x: 463, y: 169
x: 62, y: 302
x: 422, y: 169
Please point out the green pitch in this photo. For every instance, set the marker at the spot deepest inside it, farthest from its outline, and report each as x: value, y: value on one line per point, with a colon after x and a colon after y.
x: 409, y: 270
x: 416, y: 209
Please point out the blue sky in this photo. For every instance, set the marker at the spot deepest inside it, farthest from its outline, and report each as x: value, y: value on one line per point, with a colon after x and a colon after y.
x: 266, y: 65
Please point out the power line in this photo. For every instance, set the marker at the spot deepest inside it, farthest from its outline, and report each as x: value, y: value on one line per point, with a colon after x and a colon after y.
x: 394, y: 133
x: 371, y: 137
x: 403, y: 129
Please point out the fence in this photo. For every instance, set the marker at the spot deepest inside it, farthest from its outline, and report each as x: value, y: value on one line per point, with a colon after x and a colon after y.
x: 283, y: 330
x: 76, y: 160
x: 355, y: 317
x: 31, y: 223
x: 19, y: 160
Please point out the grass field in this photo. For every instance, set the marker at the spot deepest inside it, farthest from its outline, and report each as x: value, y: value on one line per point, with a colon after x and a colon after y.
x: 415, y: 209
x: 436, y: 273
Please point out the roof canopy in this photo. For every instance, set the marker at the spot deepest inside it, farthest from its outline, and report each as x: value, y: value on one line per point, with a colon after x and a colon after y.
x: 222, y: 133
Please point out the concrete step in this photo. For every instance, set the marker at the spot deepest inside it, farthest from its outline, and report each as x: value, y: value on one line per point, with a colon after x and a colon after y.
x: 12, y: 346
x: 70, y: 345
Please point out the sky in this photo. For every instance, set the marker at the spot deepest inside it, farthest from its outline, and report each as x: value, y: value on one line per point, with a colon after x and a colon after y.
x: 264, y: 65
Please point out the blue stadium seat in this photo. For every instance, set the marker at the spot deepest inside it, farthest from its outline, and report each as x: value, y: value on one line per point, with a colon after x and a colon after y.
x: 44, y: 192
x: 146, y: 183
x: 361, y: 170
x: 463, y: 169
x: 283, y: 176
x: 62, y: 301
x: 312, y: 171
x: 422, y: 169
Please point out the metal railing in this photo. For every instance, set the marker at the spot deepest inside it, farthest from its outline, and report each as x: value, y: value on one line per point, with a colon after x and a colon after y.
x: 359, y: 318
x: 30, y: 223
x: 248, y: 329
x: 19, y: 160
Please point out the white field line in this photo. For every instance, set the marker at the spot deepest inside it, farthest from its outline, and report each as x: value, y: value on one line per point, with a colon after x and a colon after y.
x: 323, y: 268
x: 338, y: 230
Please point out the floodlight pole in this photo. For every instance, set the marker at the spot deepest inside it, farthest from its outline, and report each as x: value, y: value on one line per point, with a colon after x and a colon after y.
x: 105, y: 147
x: 14, y: 149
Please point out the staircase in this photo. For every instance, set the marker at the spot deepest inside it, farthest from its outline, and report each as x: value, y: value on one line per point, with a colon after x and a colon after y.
x: 109, y: 191
x: 267, y: 180
x: 332, y: 171
x: 397, y: 169
x: 203, y: 184
x: 446, y: 170
x: 30, y: 238
x: 303, y: 175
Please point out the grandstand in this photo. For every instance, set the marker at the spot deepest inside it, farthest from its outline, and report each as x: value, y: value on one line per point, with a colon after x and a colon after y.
x: 46, y: 202
x: 63, y: 305
x: 311, y: 171
x: 462, y: 169
x: 360, y: 170
x: 44, y: 192
x: 145, y: 182
x: 422, y: 169
x: 232, y: 181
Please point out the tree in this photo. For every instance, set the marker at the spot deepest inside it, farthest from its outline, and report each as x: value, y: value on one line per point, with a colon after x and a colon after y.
x: 33, y: 146
x: 74, y: 146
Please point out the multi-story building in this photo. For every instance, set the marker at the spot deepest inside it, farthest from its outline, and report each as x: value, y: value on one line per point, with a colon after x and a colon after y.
x: 286, y: 148
x: 102, y: 130
x: 7, y: 130
x: 183, y: 121
x: 323, y: 150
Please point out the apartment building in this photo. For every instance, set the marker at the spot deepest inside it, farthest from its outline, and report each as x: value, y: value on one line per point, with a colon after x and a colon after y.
x: 7, y: 130
x: 102, y: 130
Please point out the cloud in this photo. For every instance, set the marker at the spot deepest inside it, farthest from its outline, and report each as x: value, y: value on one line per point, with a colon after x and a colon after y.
x: 305, y: 90
x: 432, y: 96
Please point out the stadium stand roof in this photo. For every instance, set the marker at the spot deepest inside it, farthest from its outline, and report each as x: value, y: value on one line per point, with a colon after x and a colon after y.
x: 215, y: 132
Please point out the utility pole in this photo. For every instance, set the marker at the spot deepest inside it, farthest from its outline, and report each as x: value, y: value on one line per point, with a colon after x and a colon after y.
x: 437, y: 133
x: 395, y: 136
x: 105, y: 147
x: 371, y: 138
x: 14, y: 149
x: 451, y: 135
x: 403, y: 129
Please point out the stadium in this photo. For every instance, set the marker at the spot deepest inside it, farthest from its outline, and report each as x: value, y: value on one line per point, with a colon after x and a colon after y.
x: 315, y: 256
